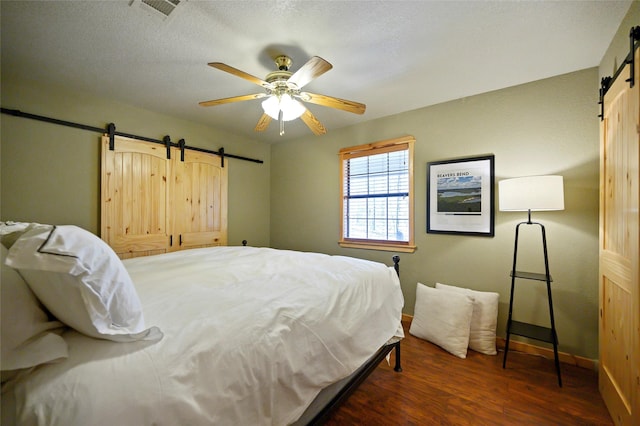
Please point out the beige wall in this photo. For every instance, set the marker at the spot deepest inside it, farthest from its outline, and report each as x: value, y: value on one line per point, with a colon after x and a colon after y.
x: 619, y: 47
x: 50, y: 173
x: 545, y: 127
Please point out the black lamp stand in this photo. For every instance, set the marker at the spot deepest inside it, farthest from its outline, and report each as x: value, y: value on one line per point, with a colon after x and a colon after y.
x: 532, y: 331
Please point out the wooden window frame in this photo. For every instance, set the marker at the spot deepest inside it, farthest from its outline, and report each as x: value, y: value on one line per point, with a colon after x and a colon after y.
x: 389, y: 145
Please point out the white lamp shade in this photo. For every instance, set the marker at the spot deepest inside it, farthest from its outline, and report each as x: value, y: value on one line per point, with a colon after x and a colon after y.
x: 531, y: 193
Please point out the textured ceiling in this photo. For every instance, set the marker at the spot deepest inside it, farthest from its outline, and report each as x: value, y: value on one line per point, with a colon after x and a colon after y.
x: 393, y: 56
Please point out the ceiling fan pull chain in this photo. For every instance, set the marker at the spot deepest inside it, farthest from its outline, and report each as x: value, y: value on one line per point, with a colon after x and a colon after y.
x: 281, y: 123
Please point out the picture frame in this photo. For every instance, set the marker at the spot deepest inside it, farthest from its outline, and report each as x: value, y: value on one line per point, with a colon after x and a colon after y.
x: 460, y: 196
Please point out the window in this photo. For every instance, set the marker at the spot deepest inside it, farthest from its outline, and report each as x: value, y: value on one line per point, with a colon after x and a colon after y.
x: 377, y: 195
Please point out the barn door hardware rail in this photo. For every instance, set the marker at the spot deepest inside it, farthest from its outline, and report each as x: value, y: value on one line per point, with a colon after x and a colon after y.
x: 111, y: 131
x: 606, y: 82
x: 634, y: 37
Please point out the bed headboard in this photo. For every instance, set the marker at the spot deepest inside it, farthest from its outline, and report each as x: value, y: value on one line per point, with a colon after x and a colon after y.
x: 157, y: 199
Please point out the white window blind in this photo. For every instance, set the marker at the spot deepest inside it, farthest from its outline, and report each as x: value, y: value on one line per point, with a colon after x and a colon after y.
x: 377, y: 193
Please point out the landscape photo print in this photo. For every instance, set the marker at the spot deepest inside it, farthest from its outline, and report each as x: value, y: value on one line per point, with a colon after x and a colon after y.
x: 460, y: 196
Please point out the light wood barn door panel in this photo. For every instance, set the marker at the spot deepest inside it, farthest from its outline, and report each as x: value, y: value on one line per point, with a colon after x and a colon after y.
x: 619, y: 367
x: 134, y: 220
x: 200, y: 201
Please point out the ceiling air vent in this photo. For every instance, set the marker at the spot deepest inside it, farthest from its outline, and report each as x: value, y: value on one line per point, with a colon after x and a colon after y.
x: 163, y: 6
x: 160, y: 7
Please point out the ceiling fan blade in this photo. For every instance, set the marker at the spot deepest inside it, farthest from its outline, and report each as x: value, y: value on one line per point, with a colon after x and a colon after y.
x: 238, y: 73
x: 233, y: 99
x: 263, y: 123
x: 331, y: 102
x: 314, y: 68
x: 312, y: 122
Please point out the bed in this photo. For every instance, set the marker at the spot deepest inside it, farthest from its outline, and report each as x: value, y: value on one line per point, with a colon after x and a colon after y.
x: 224, y: 335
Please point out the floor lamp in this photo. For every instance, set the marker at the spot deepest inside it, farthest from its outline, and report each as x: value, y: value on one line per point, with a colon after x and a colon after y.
x: 532, y: 193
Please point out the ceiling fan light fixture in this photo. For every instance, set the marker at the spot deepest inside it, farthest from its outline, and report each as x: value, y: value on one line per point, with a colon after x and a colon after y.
x: 283, y: 99
x: 291, y: 108
x: 271, y: 107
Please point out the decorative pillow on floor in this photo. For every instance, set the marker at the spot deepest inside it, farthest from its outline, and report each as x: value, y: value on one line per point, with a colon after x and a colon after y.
x: 484, y: 319
x: 443, y: 318
x: 79, y: 278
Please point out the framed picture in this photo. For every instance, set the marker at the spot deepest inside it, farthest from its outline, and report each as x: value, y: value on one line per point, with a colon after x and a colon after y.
x: 460, y: 196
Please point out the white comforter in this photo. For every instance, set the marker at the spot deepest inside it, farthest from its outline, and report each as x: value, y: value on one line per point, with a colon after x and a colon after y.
x: 251, y: 335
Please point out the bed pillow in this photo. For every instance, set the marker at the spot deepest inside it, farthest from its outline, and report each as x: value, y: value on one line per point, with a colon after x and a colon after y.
x: 483, y: 320
x: 443, y: 318
x: 79, y: 278
x: 10, y: 231
x: 27, y: 335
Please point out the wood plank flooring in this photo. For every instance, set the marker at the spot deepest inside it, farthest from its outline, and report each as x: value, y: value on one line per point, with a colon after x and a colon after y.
x: 436, y: 388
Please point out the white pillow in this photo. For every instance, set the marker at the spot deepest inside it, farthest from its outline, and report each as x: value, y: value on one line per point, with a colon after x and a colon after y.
x: 443, y: 318
x: 484, y: 319
x: 79, y: 278
x: 27, y: 334
x: 10, y: 231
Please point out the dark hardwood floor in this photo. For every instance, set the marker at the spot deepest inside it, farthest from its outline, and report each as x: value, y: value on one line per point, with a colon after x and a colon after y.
x: 436, y: 388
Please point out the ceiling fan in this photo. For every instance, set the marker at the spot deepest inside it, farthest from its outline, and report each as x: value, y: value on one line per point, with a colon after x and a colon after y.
x: 283, y: 94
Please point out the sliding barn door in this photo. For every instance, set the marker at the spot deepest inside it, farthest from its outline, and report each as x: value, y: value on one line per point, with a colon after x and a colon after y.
x: 134, y: 219
x: 199, y: 210
x: 619, y: 368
